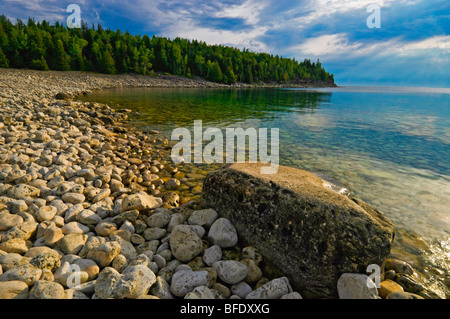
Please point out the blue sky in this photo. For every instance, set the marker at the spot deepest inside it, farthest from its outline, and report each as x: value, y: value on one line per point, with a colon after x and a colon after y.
x: 412, y: 47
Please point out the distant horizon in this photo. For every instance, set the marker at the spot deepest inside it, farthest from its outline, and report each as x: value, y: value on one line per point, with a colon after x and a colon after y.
x: 409, y: 47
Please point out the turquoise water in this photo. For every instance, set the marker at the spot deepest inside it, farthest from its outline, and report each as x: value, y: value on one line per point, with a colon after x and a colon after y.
x: 389, y: 146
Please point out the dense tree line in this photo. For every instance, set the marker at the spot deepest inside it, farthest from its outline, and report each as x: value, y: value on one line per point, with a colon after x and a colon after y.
x: 41, y: 46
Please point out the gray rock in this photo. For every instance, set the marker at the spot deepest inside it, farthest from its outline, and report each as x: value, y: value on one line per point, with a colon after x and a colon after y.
x: 274, y: 289
x: 158, y: 220
x: 185, y: 243
x: 161, y: 289
x: 301, y: 226
x: 230, y: 271
x: 212, y: 254
x: 292, y: 295
x: 43, y: 289
x: 201, y: 292
x: 204, y: 217
x: 223, y: 233
x: 185, y: 281
x: 241, y: 289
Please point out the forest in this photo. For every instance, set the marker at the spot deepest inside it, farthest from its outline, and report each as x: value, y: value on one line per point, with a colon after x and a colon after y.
x: 42, y: 46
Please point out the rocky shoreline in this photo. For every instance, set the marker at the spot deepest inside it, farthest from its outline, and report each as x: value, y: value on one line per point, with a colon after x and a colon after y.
x: 93, y: 209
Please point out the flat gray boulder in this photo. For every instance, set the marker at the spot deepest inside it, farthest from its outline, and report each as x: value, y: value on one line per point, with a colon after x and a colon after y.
x: 308, y: 231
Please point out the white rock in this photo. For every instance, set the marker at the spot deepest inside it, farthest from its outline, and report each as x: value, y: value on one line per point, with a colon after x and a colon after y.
x: 356, y: 286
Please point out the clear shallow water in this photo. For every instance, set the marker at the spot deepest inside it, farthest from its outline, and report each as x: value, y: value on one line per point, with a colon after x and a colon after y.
x: 389, y: 146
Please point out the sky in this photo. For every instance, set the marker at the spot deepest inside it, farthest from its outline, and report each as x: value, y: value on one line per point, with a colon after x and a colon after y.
x: 409, y: 47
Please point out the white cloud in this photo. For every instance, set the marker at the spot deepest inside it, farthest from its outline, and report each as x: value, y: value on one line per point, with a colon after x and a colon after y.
x: 250, y: 11
x: 337, y: 46
x: 240, y: 39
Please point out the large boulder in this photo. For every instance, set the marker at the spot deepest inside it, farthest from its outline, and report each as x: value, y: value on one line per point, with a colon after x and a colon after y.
x: 299, y: 224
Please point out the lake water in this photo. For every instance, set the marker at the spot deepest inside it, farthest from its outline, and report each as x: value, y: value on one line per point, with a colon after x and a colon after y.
x: 389, y: 146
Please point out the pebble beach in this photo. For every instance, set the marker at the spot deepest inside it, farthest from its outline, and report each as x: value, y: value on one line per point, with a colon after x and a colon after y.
x: 91, y: 208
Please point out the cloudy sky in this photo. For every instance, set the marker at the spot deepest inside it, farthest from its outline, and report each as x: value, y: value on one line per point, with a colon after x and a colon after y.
x: 411, y: 47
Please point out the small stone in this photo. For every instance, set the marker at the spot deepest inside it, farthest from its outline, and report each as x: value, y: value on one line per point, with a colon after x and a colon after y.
x: 88, y: 217
x: 140, y: 201
x: 105, y: 192
x: 387, y: 287
x: 223, y: 233
x: 274, y: 289
x: 119, y: 263
x: 89, y: 266
x: 47, y: 290
x: 17, y: 206
x: 161, y: 289
x: 134, y: 282
x: 8, y: 221
x: 201, y: 292
x: 12, y: 260
x: 13, y: 289
x: 14, y: 245
x: 399, y: 266
x: 172, y: 183
x: 47, y: 261
x: 403, y: 295
x: 137, y: 239
x: 104, y: 254
x: 27, y: 273
x: 212, y: 254
x: 230, y: 271
x: 158, y: 220
x: 23, y: 191
x: 408, y: 283
x: 241, y: 289
x: 45, y: 213
x: 292, y: 295
x: 254, y: 272
x: 356, y: 286
x: 75, y: 228
x: 204, y: 217
x: 223, y: 290
x: 74, y: 198
x: 105, y: 228
x: 154, y: 233
x: 184, y: 281
x: 52, y: 234
x: 72, y: 243
x: 36, y: 251
x: 185, y: 244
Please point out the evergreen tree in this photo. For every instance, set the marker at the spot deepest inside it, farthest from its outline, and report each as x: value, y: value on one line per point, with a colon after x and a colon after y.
x: 4, y: 63
x: 61, y: 59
